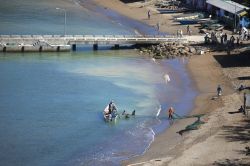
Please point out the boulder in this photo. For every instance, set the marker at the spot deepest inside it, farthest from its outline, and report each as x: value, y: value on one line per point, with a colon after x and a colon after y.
x: 192, y: 50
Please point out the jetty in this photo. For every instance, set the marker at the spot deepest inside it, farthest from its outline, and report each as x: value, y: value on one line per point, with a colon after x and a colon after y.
x: 58, y: 43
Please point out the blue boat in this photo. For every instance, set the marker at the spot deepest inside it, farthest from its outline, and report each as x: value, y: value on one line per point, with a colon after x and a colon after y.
x: 192, y: 21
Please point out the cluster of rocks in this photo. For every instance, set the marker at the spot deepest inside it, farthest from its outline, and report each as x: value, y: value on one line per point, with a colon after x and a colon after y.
x: 170, y: 50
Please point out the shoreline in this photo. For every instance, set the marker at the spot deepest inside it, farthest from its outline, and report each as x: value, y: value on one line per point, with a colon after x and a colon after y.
x: 169, y: 147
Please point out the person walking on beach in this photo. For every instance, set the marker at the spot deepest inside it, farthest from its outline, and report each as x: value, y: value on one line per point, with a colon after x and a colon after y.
x: 225, y: 38
x: 158, y: 26
x: 149, y: 14
x: 232, y: 39
x: 238, y: 41
x: 219, y: 90
x: 170, y: 113
x: 188, y: 30
x: 181, y: 33
x: 221, y: 37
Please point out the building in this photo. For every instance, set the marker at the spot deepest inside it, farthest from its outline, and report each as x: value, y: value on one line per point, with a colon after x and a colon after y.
x: 230, y: 12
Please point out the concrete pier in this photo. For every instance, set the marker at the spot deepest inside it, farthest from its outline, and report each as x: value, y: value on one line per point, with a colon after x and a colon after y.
x: 56, y: 43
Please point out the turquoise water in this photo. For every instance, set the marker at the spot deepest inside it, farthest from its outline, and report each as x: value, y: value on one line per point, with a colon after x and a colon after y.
x: 51, y: 103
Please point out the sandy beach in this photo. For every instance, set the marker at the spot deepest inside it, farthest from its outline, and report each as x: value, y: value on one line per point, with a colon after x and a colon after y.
x: 225, y: 134
x: 139, y: 10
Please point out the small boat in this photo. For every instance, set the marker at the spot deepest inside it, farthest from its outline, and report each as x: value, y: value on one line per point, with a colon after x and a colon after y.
x: 189, y: 16
x: 205, y: 24
x: 192, y: 21
x: 216, y: 27
x: 166, y: 11
x: 109, y: 117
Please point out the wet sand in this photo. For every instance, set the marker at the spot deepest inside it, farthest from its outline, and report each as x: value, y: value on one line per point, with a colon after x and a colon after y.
x: 212, y: 142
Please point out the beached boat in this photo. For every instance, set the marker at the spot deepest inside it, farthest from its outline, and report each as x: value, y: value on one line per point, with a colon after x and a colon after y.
x: 192, y: 21
x: 189, y: 16
x: 109, y: 117
x: 166, y: 11
x: 216, y: 27
x: 205, y: 24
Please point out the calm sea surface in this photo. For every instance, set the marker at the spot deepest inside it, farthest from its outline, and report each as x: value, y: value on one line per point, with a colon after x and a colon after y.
x: 51, y: 103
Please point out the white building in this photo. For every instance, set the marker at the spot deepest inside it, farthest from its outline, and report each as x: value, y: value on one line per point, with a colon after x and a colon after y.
x: 229, y: 11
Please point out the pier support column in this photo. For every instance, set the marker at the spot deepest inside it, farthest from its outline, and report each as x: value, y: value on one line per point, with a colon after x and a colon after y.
x: 22, y: 49
x: 74, y: 47
x: 58, y: 48
x: 95, y: 47
x: 4, y: 49
x: 117, y: 46
x: 40, y: 49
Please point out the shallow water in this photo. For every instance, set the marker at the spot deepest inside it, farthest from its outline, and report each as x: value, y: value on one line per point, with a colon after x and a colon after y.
x: 51, y: 106
x: 51, y: 103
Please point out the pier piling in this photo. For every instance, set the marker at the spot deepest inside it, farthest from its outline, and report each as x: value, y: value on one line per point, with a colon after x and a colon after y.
x: 117, y: 46
x: 74, y: 47
x: 40, y: 49
x: 95, y: 47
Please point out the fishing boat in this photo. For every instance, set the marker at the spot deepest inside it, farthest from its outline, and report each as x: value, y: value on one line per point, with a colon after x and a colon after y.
x: 193, y: 21
x: 189, y: 16
x: 109, y: 117
x: 169, y: 10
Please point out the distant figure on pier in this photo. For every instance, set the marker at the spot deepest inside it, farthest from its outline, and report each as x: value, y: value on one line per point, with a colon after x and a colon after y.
x: 149, y: 14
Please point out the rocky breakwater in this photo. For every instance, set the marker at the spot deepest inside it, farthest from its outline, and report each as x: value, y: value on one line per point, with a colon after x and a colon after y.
x: 171, y: 50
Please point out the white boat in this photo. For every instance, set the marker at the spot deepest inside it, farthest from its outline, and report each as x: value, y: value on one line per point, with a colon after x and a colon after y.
x: 109, y: 117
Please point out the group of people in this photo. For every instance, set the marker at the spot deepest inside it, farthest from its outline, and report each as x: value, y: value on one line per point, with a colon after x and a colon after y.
x: 112, y: 111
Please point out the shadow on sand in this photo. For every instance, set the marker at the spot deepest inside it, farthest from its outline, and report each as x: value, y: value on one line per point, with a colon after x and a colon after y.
x: 238, y: 60
x: 240, y: 134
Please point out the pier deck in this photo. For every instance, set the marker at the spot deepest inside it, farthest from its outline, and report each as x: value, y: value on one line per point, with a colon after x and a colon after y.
x: 23, y: 43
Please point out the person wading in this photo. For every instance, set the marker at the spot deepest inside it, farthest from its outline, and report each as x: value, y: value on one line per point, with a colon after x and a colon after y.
x: 170, y: 113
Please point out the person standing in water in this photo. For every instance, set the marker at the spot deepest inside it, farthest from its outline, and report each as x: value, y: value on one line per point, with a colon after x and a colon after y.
x: 170, y: 113
x: 112, y: 107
